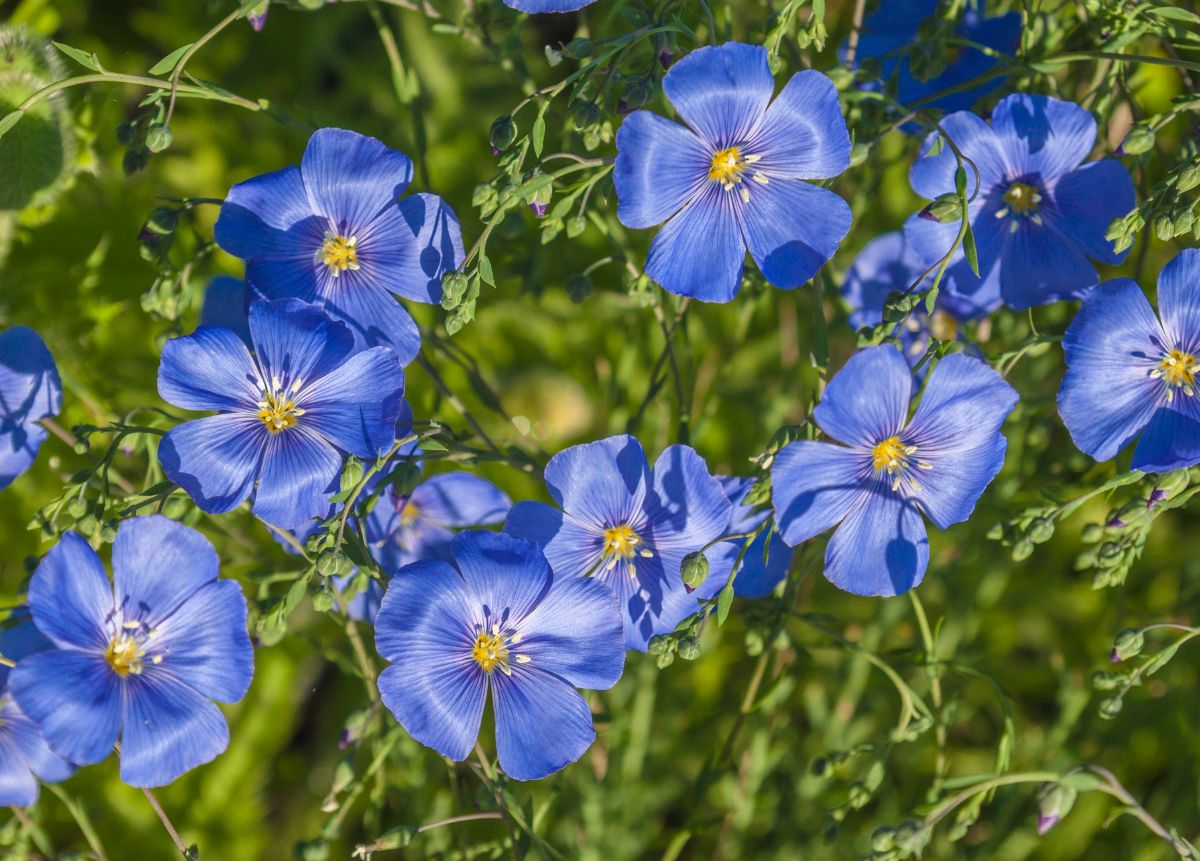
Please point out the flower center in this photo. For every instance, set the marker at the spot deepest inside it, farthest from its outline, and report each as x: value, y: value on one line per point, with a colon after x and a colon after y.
x: 892, y: 456
x: 409, y: 513
x: 124, y: 654
x: 277, y: 409
x: 727, y: 168
x: 622, y: 544
x: 339, y: 253
x: 1178, y: 370
x: 1022, y: 198
x: 491, y: 649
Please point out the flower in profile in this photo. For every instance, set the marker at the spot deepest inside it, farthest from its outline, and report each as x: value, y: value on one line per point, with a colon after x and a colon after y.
x: 627, y: 525
x: 887, y: 265
x: 25, y: 758
x: 1038, y: 214
x: 537, y: 7
x: 890, y: 470
x: 30, y: 390
x: 897, y: 34
x: 765, y: 562
x: 330, y: 231
x: 733, y: 178
x: 142, y: 659
x: 1133, y: 375
x: 286, y: 415
x: 494, y: 615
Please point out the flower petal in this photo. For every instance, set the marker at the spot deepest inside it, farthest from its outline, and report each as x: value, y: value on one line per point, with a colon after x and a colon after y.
x: 296, y: 341
x: 214, y: 459
x: 660, y: 166
x: 957, y: 430
x: 159, y: 564
x: 931, y: 175
x: 19, y: 446
x: 601, y: 483
x: 542, y: 723
x: 291, y: 278
x: 1179, y: 300
x: 1172, y: 438
x: 867, y: 400
x: 687, y: 507
x: 572, y: 548
x: 885, y: 265
x: 226, y: 304
x: 721, y: 91
x: 1038, y: 267
x: 69, y: 595
x: 167, y: 729
x: 1043, y: 136
x: 298, y: 475
x: 460, y: 499
x: 970, y: 294
x: 538, y: 7
x: 355, y: 406
x: 653, y: 600
x: 575, y: 633
x: 269, y: 217
x: 813, y: 486
x: 74, y: 697
x: 1086, y: 201
x: 350, y: 178
x: 434, y: 688
x: 210, y: 369
x: 204, y: 643
x: 803, y: 134
x: 792, y: 229
x: 17, y: 783
x: 409, y: 247
x: 1107, y: 396
x: 508, y: 576
x: 880, y: 548
x: 376, y: 318
x: 700, y: 251
x: 30, y: 388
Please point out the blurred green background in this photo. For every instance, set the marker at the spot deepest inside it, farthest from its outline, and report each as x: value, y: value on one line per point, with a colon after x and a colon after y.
x: 1022, y: 636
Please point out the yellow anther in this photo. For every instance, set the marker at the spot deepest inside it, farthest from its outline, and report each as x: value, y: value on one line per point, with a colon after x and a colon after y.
x: 621, y: 542
x: 339, y: 253
x: 1178, y: 370
x: 491, y: 650
x: 409, y: 514
x: 891, y: 454
x: 727, y: 166
x: 1021, y: 198
x: 124, y: 655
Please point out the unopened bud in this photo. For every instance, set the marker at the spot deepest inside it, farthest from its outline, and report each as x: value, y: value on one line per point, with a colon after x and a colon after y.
x: 1127, y: 644
x: 688, y: 648
x: 1054, y: 802
x: 944, y: 208
x: 504, y: 132
x: 159, y: 137
x: 1138, y: 140
x: 694, y: 570
x: 1041, y: 530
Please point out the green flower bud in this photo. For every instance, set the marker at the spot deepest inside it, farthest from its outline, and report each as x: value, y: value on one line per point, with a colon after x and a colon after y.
x: 694, y: 570
x: 504, y: 132
x: 329, y: 561
x: 1128, y: 643
x: 945, y: 208
x: 77, y: 507
x: 911, y: 836
x: 1041, y: 530
x: 664, y: 660
x: 688, y: 648
x: 126, y: 133
x: 1054, y: 802
x: 352, y: 474
x: 1022, y: 550
x: 660, y: 644
x: 579, y: 287
x: 323, y: 601
x: 883, y: 838
x: 158, y: 137
x: 1188, y: 179
x: 1138, y: 140
x: 860, y: 796
x: 108, y: 531
x: 1092, y: 533
x: 1111, y: 707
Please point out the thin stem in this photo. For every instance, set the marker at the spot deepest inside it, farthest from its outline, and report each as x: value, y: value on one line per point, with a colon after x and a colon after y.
x: 36, y: 834
x: 162, y: 815
x: 855, y: 30
x: 466, y: 817
x: 139, y: 80
x: 190, y: 52
x: 929, y: 646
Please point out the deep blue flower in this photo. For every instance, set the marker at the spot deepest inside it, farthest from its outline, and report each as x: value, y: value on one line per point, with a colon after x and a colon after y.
x: 25, y: 758
x: 227, y: 303
x: 893, y: 32
x: 286, y: 415
x: 890, y: 470
x: 537, y: 7
x: 142, y: 659
x: 887, y: 265
x: 496, y: 616
x: 766, y: 560
x: 627, y: 525
x: 30, y: 390
x: 732, y: 179
x: 1130, y: 376
x: 1039, y: 214
x: 331, y: 232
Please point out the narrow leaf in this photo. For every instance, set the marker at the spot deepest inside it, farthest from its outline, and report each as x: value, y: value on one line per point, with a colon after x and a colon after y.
x: 168, y: 63
x: 88, y: 61
x: 539, y: 135
x: 970, y: 251
x: 10, y: 120
x: 724, y: 602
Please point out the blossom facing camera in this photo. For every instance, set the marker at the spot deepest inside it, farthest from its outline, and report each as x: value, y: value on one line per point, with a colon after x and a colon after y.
x: 141, y: 659
x: 286, y: 415
x: 1039, y: 214
x: 733, y: 178
x: 627, y: 525
x: 30, y: 390
x: 332, y: 232
x: 889, y: 470
x: 25, y: 758
x: 765, y: 562
x: 494, y: 616
x: 1132, y: 375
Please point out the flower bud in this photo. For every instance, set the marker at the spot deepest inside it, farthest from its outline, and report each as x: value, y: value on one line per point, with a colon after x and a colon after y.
x: 126, y: 133
x: 1138, y: 140
x: 579, y: 287
x: 688, y: 648
x: 883, y: 838
x: 945, y: 208
x: 1128, y: 643
x: 1092, y: 533
x: 1054, y: 802
x: 659, y: 644
x: 158, y: 137
x: 694, y: 570
x: 1041, y: 530
x: 1022, y: 550
x: 352, y: 474
x: 1189, y: 179
x: 1111, y: 707
x: 77, y: 507
x: 504, y: 132
x: 329, y: 561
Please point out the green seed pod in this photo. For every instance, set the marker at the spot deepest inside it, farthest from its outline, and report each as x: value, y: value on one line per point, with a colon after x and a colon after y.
x: 883, y: 838
x: 1188, y: 179
x: 1092, y: 533
x: 945, y: 208
x: 329, y: 561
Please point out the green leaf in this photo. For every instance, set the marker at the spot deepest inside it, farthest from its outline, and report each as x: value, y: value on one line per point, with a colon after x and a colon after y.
x: 485, y: 269
x: 1176, y: 14
x: 432, y: 445
x: 88, y: 61
x: 168, y: 63
x: 970, y: 250
x: 724, y: 602
x: 10, y: 120
x: 539, y: 135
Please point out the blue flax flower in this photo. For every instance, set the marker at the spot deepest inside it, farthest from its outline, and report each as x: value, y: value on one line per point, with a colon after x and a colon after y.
x: 766, y: 560
x: 1130, y: 376
x: 1040, y: 213
x: 537, y: 7
x: 889, y: 470
x: 142, y: 659
x: 30, y: 390
x: 897, y: 31
x: 331, y: 232
x: 732, y: 178
x: 287, y: 415
x: 495, y: 616
x: 627, y: 525
x: 887, y: 265
x: 25, y: 758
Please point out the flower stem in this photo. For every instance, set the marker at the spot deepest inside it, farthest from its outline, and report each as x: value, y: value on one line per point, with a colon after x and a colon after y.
x: 166, y: 821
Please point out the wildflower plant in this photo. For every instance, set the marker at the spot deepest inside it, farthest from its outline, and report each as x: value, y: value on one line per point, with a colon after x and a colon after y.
x: 561, y: 429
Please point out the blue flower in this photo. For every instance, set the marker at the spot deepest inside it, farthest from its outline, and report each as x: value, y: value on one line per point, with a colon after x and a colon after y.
x: 286, y: 415
x: 887, y: 265
x: 495, y: 616
x: 627, y: 525
x: 227, y: 304
x: 537, y: 7
x: 766, y: 560
x: 1130, y: 376
x: 890, y: 470
x: 142, y: 659
x: 893, y: 33
x: 30, y: 390
x: 733, y: 177
x: 330, y: 231
x: 25, y: 758
x: 1039, y: 212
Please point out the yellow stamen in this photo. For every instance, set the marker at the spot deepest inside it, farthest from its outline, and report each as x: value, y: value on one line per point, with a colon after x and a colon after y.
x: 727, y: 166
x: 490, y: 651
x: 621, y: 542
x: 409, y: 514
x: 1022, y: 198
x: 339, y: 253
x: 278, y: 414
x: 1178, y: 370
x: 889, y: 454
x: 124, y: 655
